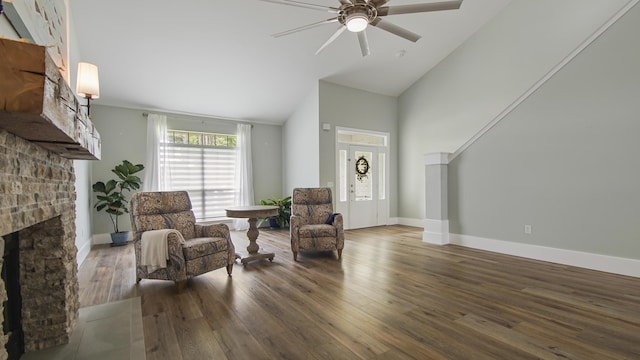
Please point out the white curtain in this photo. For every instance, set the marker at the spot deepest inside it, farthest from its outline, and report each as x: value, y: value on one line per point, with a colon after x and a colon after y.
x: 244, y: 174
x: 156, y: 177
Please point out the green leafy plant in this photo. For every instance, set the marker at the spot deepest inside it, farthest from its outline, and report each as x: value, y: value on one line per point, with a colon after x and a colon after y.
x: 111, y: 196
x: 284, y: 210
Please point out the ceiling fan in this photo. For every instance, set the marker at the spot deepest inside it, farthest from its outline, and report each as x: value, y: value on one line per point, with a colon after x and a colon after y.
x: 356, y: 15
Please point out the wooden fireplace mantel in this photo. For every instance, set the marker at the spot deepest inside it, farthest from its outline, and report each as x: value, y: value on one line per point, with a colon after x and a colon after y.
x: 37, y: 104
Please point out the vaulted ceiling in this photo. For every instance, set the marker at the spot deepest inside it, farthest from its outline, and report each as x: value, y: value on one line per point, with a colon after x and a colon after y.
x: 218, y: 58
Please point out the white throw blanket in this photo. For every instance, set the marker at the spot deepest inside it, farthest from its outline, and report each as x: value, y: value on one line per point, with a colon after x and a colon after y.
x: 155, y: 248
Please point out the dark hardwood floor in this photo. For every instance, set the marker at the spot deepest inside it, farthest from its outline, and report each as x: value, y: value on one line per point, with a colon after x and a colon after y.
x: 390, y: 297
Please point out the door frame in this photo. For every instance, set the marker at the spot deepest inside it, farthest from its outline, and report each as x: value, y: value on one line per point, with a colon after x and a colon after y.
x: 341, y: 194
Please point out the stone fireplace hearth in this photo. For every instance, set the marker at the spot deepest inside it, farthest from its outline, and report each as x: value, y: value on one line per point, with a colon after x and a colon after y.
x: 37, y: 200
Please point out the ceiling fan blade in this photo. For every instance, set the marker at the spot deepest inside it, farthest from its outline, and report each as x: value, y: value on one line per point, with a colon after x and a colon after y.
x: 364, y: 43
x: 305, y: 27
x: 379, y: 3
x: 335, y: 35
x: 395, y: 29
x: 418, y: 8
x: 304, y: 5
x: 346, y: 2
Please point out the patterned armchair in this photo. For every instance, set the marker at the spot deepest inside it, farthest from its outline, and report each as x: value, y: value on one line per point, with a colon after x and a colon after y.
x: 314, y: 226
x: 200, y: 249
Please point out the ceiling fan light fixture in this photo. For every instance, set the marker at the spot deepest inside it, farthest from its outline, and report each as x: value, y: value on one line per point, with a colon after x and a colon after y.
x: 356, y: 15
x: 357, y: 22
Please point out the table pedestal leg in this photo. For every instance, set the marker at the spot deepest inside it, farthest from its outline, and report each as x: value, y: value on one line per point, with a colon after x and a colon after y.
x: 253, y: 247
x: 252, y: 234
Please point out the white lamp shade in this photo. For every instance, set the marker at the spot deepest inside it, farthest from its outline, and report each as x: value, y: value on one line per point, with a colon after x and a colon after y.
x: 357, y: 22
x: 87, y: 83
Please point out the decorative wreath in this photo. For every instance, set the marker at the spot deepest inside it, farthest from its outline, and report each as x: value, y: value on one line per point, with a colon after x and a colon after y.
x: 362, y: 168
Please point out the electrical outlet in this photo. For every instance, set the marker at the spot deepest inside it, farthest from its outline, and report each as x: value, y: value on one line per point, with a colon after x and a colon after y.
x: 527, y: 229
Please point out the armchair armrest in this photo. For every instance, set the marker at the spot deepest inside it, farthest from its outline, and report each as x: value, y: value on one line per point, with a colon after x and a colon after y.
x: 294, y: 225
x: 213, y: 230
x: 338, y: 223
x: 218, y: 230
x: 176, y: 266
x: 295, y: 221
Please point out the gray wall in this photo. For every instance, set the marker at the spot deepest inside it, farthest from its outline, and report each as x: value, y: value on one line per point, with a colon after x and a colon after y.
x: 124, y: 135
x: 266, y: 146
x: 565, y: 161
x: 480, y: 79
x: 352, y: 108
x: 6, y: 30
x: 301, y: 150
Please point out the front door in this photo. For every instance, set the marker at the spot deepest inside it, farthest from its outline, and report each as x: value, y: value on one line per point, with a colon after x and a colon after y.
x: 363, y: 186
x: 362, y: 172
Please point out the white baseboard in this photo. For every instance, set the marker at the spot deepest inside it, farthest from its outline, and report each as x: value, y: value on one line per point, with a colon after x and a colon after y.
x: 606, y: 263
x: 436, y: 232
x: 83, y: 252
x: 410, y: 222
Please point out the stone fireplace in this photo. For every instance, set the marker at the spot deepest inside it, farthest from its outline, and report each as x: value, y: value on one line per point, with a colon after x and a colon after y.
x: 41, y: 130
x: 37, y: 202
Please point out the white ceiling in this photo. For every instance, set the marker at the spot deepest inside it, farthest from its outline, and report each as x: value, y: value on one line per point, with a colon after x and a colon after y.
x: 217, y: 58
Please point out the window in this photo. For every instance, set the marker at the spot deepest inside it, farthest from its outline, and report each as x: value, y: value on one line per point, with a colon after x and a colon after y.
x: 204, y: 165
x: 343, y: 175
x: 381, y: 176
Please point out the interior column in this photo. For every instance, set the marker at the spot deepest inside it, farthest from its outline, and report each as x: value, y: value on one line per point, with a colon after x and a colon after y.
x: 436, y: 223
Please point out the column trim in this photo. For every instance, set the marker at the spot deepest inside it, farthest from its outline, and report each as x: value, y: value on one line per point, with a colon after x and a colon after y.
x: 436, y: 232
x: 436, y: 158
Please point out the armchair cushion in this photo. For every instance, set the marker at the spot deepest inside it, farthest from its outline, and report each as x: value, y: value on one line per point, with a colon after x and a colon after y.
x: 198, y: 247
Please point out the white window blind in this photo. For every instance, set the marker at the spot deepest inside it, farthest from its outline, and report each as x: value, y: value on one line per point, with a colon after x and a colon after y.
x: 204, y: 165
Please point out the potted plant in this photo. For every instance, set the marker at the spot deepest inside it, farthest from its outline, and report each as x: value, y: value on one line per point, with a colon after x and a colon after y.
x: 284, y: 212
x: 111, y: 196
